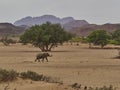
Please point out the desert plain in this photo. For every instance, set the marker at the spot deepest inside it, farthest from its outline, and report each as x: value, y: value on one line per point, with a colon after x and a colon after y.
x: 69, y: 63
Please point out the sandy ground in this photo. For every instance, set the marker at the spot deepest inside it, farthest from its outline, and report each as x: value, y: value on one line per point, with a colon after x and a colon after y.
x: 72, y: 64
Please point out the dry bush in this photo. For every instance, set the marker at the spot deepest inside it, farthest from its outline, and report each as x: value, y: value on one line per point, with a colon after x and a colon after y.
x: 31, y: 75
x: 8, y: 75
x: 38, y: 77
x: 12, y: 75
x: 103, y: 88
x: 76, y: 86
x: 7, y: 41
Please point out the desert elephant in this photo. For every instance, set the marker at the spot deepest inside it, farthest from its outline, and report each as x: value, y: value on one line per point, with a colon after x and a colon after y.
x: 42, y: 56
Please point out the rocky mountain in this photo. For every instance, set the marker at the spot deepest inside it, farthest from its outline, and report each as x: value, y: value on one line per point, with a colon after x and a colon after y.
x: 74, y: 24
x: 67, y: 22
x: 87, y: 29
x: 41, y: 19
x: 8, y: 28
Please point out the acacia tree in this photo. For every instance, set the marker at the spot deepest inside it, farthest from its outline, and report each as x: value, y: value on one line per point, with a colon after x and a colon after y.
x: 45, y: 36
x: 116, y: 36
x: 99, y: 37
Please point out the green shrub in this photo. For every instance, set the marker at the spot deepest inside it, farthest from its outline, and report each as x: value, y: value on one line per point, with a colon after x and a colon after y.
x: 84, y: 40
x: 113, y: 42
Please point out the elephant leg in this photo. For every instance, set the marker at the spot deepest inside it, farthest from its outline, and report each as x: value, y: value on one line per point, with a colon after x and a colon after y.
x: 38, y: 60
x: 35, y: 60
x: 46, y: 59
x: 42, y: 59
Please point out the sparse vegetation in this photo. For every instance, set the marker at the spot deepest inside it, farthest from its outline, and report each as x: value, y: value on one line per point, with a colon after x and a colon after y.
x: 38, y: 77
x: 103, y: 88
x: 31, y: 75
x: 11, y: 75
x: 77, y: 86
x: 6, y: 75
x: 6, y: 41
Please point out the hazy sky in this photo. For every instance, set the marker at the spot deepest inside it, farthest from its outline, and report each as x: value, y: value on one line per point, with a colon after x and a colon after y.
x: 94, y: 11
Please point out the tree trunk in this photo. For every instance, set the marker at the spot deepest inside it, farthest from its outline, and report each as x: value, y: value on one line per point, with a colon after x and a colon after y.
x: 51, y: 47
x: 46, y: 48
x: 42, y: 48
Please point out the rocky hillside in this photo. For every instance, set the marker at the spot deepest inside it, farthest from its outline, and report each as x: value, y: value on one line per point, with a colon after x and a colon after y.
x: 87, y: 29
x: 75, y: 24
x: 42, y: 19
x: 68, y: 22
x: 8, y: 28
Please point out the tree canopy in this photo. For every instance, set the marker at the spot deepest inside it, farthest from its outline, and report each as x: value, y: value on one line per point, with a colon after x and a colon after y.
x: 99, y: 37
x: 116, y: 36
x: 45, y: 36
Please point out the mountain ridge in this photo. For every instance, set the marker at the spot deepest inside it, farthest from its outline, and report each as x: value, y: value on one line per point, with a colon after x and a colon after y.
x: 69, y: 21
x: 42, y: 19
